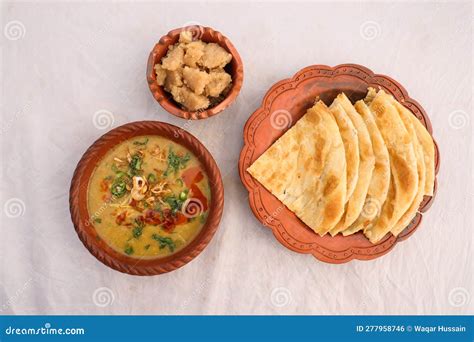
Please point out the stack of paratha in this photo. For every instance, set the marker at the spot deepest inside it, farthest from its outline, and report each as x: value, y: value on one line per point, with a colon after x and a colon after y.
x: 352, y: 167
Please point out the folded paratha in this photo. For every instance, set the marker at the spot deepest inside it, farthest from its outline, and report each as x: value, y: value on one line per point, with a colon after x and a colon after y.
x: 349, y: 168
x: 306, y: 169
x: 427, y: 144
x: 351, y: 146
x: 378, y: 187
x: 366, y: 166
x: 403, y: 166
x: 406, y: 218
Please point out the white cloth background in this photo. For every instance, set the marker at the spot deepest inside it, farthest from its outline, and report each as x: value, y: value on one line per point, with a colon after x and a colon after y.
x: 64, y: 62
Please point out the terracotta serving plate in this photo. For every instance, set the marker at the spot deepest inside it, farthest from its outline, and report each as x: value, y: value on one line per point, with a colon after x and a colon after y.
x: 85, y: 227
x: 235, y: 68
x: 282, y: 106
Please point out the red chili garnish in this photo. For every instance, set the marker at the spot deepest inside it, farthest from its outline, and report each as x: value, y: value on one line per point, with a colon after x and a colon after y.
x: 104, y: 185
x: 192, y: 175
x: 181, y: 219
x: 197, y: 194
x: 121, y: 218
x: 151, y: 217
x: 169, y: 220
x: 134, y: 204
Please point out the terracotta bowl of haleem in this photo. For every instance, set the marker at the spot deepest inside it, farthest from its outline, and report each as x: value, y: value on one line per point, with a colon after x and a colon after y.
x: 146, y: 198
x: 194, y: 72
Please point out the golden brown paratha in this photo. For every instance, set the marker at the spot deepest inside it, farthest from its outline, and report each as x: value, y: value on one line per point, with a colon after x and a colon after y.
x: 351, y: 146
x: 403, y: 166
x: 366, y: 166
x: 306, y: 169
x: 380, y: 181
x: 428, y: 146
x: 406, y: 218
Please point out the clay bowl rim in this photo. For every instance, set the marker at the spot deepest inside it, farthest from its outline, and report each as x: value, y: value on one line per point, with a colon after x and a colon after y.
x: 247, y: 156
x: 81, y: 217
x: 165, y: 99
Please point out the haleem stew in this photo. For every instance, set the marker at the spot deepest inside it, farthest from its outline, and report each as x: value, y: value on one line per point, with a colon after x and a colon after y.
x: 148, y: 197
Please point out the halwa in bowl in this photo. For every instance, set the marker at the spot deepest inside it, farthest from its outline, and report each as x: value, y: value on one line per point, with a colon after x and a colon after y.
x: 194, y: 72
x: 146, y: 198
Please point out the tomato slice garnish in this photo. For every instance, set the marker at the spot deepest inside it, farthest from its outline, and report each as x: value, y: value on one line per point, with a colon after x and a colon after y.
x: 196, y: 193
x: 192, y: 175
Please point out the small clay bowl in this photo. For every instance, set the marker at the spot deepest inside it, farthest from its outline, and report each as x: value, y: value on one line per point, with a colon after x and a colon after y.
x: 235, y: 68
x: 81, y: 216
x: 286, y: 102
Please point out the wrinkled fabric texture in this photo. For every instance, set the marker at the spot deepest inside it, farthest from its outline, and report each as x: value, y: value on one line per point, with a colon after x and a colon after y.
x: 71, y: 71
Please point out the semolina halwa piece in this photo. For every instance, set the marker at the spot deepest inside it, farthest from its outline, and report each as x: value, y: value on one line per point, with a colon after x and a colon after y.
x: 160, y: 74
x: 174, y: 58
x: 218, y: 82
x: 215, y: 56
x: 173, y: 79
x: 194, y: 52
x: 195, y: 79
x: 185, y: 37
x: 190, y: 100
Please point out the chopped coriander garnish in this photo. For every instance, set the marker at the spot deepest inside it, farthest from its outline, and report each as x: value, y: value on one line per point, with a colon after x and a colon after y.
x: 121, y: 174
x: 175, y: 162
x: 138, y: 228
x: 97, y: 220
x: 137, y: 232
x: 151, y: 178
x: 141, y: 143
x: 164, y: 242
x: 128, y: 250
x: 174, y: 203
x: 139, y: 223
x: 147, y: 247
x: 135, y: 164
